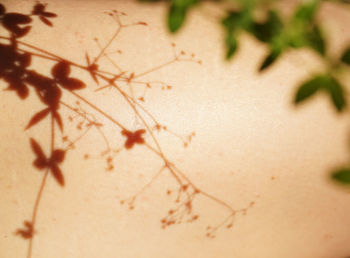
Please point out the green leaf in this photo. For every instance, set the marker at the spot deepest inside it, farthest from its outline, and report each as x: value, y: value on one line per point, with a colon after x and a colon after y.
x: 337, y: 94
x: 309, y: 88
x: 306, y: 35
x: 232, y: 21
x: 231, y: 44
x: 342, y: 176
x: 326, y: 83
x: 346, y: 56
x: 315, y: 40
x: 266, y: 31
x: 303, y: 31
x: 235, y: 20
x: 270, y: 59
x: 177, y: 13
x: 306, y: 11
x: 176, y: 18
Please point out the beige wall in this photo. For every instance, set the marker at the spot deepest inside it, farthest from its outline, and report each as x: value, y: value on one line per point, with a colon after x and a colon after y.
x: 251, y: 144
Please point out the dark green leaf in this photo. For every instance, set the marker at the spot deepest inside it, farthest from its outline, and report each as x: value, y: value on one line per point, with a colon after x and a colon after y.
x: 307, y: 35
x: 309, y: 88
x: 177, y: 13
x: 315, y: 40
x: 232, y: 21
x: 337, y: 94
x: 346, y: 56
x: 266, y: 31
x: 324, y: 82
x: 232, y: 44
x: 238, y: 20
x: 303, y: 30
x: 342, y: 175
x: 176, y: 18
x: 270, y: 59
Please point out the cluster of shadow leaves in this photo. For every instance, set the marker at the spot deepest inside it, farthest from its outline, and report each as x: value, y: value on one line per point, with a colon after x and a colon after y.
x: 15, y: 70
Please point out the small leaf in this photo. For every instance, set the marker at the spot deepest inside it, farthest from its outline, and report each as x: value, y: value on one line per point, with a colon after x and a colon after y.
x: 25, y: 59
x: 22, y: 91
x: 232, y: 45
x: 40, y: 163
x: 337, y: 94
x: 21, y: 32
x: 38, y: 9
x: 315, y: 40
x: 17, y: 18
x: 176, y: 18
x: 303, y: 31
x: 92, y: 68
x: 57, y: 174
x: 46, y: 21
x: 133, y: 137
x: 58, y: 155
x: 266, y: 31
x: 308, y: 89
x: 270, y: 59
x: 177, y: 13
x: 58, y: 120
x: 52, y: 96
x: 2, y: 9
x: 72, y: 84
x: 342, y: 176
x: 27, y: 232
x: 232, y: 21
x: 18, y: 86
x: 346, y: 56
x: 37, y: 149
x: 87, y: 58
x: 49, y: 14
x: 38, y: 117
x: 61, y: 70
x: 326, y: 83
x: 142, y: 23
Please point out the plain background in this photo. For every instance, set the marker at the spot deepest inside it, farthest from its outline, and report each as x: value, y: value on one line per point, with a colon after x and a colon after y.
x: 251, y: 144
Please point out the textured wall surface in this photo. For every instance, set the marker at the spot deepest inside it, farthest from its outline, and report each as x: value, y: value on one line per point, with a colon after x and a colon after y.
x: 250, y: 145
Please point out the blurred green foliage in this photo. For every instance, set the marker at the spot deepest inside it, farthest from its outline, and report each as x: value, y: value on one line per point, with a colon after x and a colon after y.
x: 323, y: 82
x: 342, y: 175
x: 300, y: 30
x: 177, y: 13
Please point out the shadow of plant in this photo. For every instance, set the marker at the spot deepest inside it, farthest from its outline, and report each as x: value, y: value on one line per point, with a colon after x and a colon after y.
x: 20, y: 77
